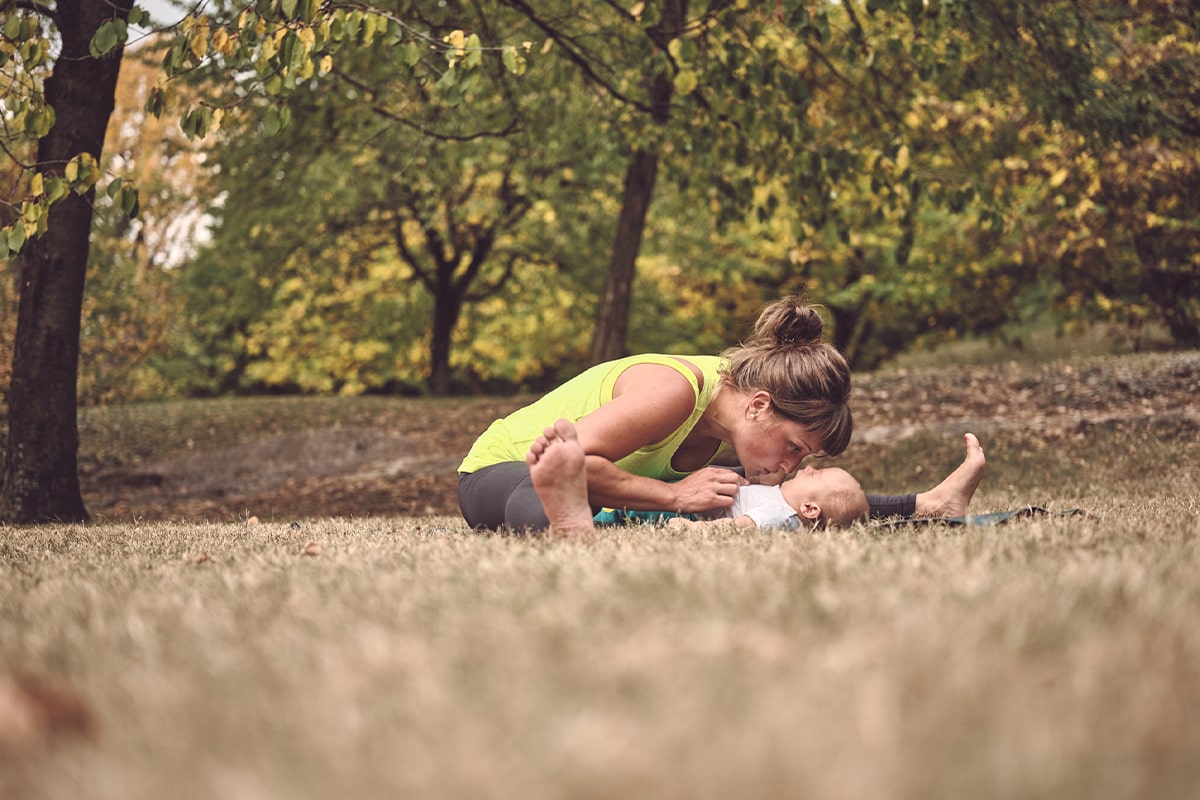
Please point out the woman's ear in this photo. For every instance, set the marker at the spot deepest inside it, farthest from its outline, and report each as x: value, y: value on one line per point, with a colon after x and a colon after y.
x: 759, y: 404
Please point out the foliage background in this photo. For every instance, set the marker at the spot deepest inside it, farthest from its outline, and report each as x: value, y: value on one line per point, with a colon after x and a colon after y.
x: 926, y: 174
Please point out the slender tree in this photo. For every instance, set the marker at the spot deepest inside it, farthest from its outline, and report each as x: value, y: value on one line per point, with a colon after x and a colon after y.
x: 284, y: 43
x: 41, y: 479
x: 612, y: 319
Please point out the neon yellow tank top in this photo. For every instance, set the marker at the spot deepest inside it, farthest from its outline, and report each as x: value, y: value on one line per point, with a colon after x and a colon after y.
x: 508, y: 439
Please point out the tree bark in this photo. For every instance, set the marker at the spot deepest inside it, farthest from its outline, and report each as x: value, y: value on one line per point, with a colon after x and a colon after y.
x: 446, y: 308
x: 41, y: 477
x: 612, y: 320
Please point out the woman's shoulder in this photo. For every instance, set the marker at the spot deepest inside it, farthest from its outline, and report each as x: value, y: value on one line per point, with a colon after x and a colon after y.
x: 665, y: 376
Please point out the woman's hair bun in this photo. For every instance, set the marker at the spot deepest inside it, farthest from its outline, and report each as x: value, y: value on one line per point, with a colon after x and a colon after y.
x: 788, y: 322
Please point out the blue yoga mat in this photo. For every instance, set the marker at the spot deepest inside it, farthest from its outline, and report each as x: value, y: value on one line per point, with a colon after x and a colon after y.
x: 995, y: 518
x: 611, y: 517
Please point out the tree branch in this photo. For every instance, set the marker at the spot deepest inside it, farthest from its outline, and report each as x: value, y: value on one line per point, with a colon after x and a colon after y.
x: 576, y: 57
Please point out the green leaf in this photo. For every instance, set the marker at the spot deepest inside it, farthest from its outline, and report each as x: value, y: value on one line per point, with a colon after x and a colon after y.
x: 474, y: 54
x: 272, y: 123
x: 514, y: 61
x: 288, y: 49
x: 16, y: 237
x: 55, y: 189
x: 154, y: 103
x: 39, y: 121
x: 12, y: 27
x: 370, y: 25
x: 448, y: 79
x: 34, y: 52
x: 411, y: 54
x: 130, y: 204
x: 105, y: 39
x: 351, y: 27
x: 288, y: 7
x: 686, y: 81
x: 201, y: 121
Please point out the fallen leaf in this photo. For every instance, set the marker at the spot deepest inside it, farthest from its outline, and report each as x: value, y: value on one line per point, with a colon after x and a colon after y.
x: 33, y: 709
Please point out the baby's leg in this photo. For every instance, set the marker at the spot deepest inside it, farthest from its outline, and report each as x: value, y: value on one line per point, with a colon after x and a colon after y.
x: 558, y: 467
x: 952, y: 497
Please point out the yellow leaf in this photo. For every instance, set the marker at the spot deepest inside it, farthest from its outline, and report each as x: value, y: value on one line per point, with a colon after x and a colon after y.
x: 1059, y: 177
x: 198, y: 43
x: 220, y: 41
x: 37, y: 185
x: 902, y: 160
x: 686, y: 81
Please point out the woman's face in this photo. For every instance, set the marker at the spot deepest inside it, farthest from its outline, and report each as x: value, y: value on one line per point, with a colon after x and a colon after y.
x: 768, y: 443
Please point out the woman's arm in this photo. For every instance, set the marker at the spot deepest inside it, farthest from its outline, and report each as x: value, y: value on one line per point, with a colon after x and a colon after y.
x: 704, y: 490
x: 738, y: 522
x: 650, y: 402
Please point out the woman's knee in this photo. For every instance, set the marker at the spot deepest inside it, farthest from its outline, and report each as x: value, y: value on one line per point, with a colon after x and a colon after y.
x: 524, y: 511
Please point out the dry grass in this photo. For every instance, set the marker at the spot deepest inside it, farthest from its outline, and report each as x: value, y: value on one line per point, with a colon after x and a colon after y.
x: 1054, y: 658
x: 1058, y: 658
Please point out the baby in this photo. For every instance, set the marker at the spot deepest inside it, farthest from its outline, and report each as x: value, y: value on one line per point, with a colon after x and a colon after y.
x: 812, y: 497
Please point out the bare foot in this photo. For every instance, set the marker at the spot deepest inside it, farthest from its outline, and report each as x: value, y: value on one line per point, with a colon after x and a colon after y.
x: 558, y: 467
x: 952, y: 497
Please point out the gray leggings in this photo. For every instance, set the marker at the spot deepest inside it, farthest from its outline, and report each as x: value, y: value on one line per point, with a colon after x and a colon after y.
x: 502, y: 497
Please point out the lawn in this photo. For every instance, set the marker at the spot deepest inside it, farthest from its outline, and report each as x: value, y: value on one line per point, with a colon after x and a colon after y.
x: 409, y: 657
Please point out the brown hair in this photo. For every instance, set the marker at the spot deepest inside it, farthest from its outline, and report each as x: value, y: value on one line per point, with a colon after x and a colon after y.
x: 808, y: 379
x: 844, y: 506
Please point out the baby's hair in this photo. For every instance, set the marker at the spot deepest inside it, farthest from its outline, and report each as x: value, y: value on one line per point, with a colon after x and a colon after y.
x: 807, y: 378
x: 843, y: 507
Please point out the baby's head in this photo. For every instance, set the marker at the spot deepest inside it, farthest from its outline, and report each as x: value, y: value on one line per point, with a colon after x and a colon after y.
x: 828, y: 496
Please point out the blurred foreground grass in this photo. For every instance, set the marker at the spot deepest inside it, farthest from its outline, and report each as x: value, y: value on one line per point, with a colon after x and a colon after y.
x: 1057, y: 658
x: 1053, y: 658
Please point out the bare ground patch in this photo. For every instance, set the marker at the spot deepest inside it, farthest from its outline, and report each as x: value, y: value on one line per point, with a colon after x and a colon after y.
x: 390, y: 469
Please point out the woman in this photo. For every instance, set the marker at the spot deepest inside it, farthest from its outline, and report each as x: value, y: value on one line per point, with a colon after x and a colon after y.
x: 650, y: 425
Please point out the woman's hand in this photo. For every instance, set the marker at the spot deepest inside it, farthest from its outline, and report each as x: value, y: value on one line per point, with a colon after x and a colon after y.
x: 706, y: 489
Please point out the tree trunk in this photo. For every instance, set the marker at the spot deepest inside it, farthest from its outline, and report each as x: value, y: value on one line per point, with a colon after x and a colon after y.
x: 41, y: 479
x: 612, y: 320
x: 446, y: 308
